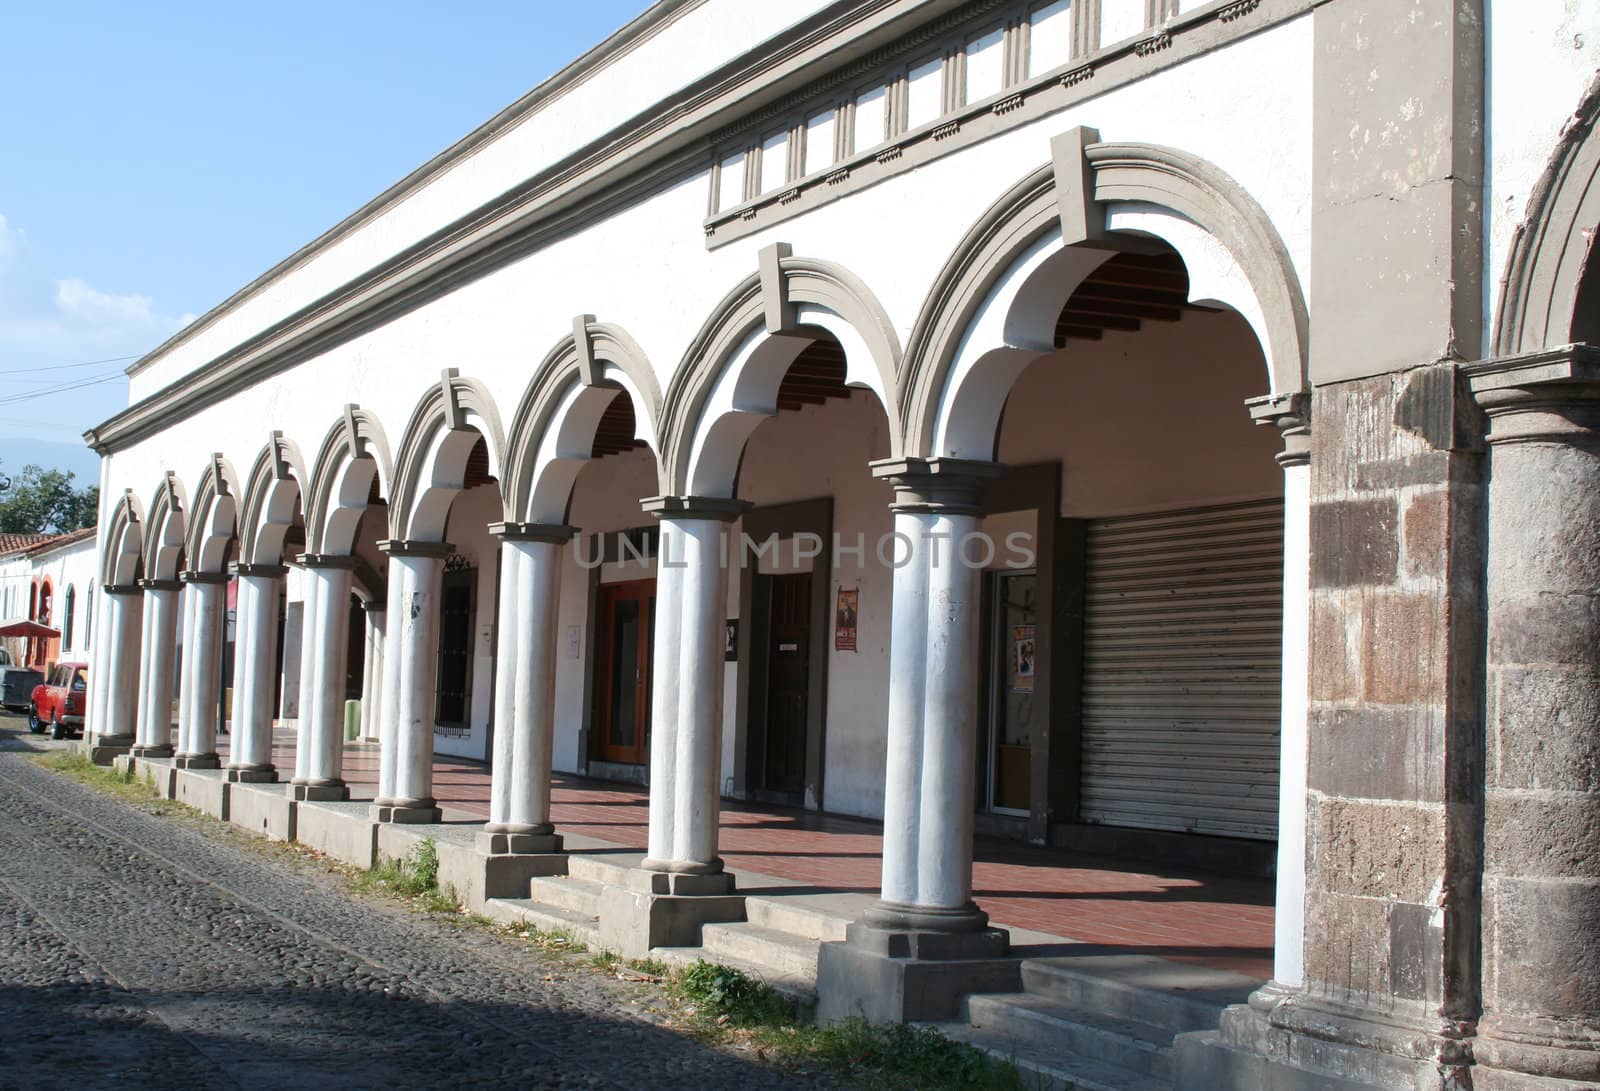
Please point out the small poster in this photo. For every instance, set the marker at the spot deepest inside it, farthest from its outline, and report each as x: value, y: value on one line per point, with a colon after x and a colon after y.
x: 1022, y: 663
x: 730, y: 641
x: 844, y: 620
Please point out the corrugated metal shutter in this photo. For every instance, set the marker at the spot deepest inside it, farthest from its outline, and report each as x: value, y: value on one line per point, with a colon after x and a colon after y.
x: 1183, y: 620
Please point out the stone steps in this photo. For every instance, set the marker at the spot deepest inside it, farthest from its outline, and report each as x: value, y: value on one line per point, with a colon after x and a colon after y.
x: 781, y: 953
x: 1099, y: 1022
x: 584, y: 930
x: 579, y: 896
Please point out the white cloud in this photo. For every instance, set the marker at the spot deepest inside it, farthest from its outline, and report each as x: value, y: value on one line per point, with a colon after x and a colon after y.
x: 77, y: 300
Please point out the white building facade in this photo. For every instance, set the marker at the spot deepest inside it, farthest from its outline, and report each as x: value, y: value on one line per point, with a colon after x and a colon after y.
x: 1074, y: 421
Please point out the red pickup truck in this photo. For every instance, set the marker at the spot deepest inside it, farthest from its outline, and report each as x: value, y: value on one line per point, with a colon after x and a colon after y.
x: 58, y: 701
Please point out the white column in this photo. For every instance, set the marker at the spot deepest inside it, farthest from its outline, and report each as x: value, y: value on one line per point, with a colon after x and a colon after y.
x: 185, y: 664
x: 1290, y: 414
x: 389, y: 695
x: 686, y: 689
x: 254, y: 659
x: 158, y: 650
x: 116, y: 665
x: 933, y: 701
x: 206, y: 622
x: 525, y: 688
x: 319, y: 749
x: 406, y: 762
x: 372, y: 668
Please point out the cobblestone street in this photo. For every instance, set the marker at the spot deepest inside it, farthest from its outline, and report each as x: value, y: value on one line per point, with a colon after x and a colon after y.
x: 137, y: 951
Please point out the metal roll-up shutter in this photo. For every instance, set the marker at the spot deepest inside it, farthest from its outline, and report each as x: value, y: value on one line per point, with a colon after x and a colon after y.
x: 1183, y: 631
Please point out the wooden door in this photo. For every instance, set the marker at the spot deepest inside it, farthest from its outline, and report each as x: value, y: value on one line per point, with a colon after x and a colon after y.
x: 453, y: 707
x: 626, y: 619
x: 788, y: 681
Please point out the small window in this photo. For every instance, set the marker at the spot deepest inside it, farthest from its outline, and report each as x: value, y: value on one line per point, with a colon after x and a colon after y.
x: 986, y: 65
x: 1050, y: 37
x: 819, y: 142
x: 66, y: 624
x: 730, y: 186
x: 872, y: 118
x: 1120, y: 19
x: 79, y: 682
x: 924, y: 93
x: 774, y: 161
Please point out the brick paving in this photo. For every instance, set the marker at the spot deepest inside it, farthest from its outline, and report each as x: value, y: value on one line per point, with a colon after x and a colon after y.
x: 1188, y: 916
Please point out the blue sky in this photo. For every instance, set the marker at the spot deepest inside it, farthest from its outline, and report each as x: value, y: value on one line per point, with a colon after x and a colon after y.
x: 155, y: 158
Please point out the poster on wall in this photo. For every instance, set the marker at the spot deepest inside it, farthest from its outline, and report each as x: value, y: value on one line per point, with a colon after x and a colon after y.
x: 844, y: 619
x: 1022, y: 659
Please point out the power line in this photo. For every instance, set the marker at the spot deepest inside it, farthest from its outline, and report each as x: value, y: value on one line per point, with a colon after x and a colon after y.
x: 64, y: 367
x: 13, y: 399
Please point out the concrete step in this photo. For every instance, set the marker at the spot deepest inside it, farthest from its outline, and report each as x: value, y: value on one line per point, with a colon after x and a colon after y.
x: 802, y: 989
x: 1035, y: 1022
x: 577, y: 896
x: 780, y: 952
x: 793, y: 916
x: 546, y: 919
x: 600, y: 869
x: 1053, y: 1068
x: 1174, y: 996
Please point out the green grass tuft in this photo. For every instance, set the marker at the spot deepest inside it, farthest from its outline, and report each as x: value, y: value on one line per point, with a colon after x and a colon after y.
x: 414, y: 879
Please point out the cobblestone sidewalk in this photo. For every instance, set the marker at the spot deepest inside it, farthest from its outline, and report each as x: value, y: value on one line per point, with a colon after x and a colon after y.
x: 135, y: 951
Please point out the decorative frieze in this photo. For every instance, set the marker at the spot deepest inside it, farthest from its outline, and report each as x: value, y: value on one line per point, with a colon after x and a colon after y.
x: 1081, y: 74
x: 1007, y: 104
x: 1238, y: 10
x: 949, y: 128
x: 1153, y: 45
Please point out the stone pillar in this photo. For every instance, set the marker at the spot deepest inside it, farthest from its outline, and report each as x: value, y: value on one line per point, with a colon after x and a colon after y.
x: 157, y: 662
x: 525, y: 689
x: 254, y: 661
x: 1541, y: 883
x: 117, y: 666
x: 681, y: 884
x: 894, y: 965
x: 205, y: 621
x: 1390, y: 960
x: 319, y: 748
x: 372, y: 667
x: 411, y: 664
x: 1290, y: 414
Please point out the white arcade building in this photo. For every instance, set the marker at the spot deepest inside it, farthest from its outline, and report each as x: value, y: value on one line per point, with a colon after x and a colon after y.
x: 1127, y: 425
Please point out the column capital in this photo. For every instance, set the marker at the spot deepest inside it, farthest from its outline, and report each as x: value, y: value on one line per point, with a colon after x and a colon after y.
x: 193, y: 576
x: 374, y: 606
x: 508, y: 531
x: 325, y: 560
x: 160, y: 585
x: 948, y: 486
x: 1547, y: 396
x: 1290, y: 413
x: 121, y: 588
x: 719, y: 508
x: 412, y: 547
x: 268, y: 570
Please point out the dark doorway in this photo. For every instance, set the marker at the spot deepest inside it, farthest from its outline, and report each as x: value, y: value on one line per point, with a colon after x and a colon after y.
x: 626, y: 620
x: 355, y: 661
x: 788, y: 682
x: 453, y: 707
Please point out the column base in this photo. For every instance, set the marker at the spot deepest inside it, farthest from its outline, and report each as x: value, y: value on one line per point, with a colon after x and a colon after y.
x: 414, y: 812
x: 1278, y: 1042
x: 319, y: 793
x: 197, y: 761
x: 515, y: 843
x: 893, y: 975
x: 107, y: 748
x: 665, y: 909
x: 252, y: 774
x: 1534, y: 1055
x: 161, y: 751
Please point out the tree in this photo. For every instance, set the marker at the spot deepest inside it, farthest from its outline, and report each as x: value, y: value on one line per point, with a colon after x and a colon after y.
x: 40, y: 501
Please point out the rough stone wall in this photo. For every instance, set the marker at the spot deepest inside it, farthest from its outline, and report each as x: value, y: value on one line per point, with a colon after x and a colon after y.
x: 1394, y: 831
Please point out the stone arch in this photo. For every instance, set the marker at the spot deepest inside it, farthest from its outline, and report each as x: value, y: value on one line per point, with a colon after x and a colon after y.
x: 213, y: 517
x: 1543, y: 277
x: 122, y: 542
x: 728, y: 381
x: 273, y: 493
x: 431, y: 469
x: 354, y: 454
x: 986, y: 313
x: 553, y: 430
x: 164, y: 530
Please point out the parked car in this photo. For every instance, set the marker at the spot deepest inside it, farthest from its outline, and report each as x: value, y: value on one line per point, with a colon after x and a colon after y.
x: 16, y: 684
x: 58, y: 701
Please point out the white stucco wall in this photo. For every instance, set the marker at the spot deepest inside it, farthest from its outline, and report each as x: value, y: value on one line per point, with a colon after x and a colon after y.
x: 1542, y: 56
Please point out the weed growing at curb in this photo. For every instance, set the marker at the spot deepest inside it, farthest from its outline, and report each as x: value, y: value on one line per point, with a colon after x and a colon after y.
x: 125, y: 785
x: 413, y: 879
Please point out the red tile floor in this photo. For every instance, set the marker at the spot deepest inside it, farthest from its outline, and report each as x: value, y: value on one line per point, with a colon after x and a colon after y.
x: 1187, y: 916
